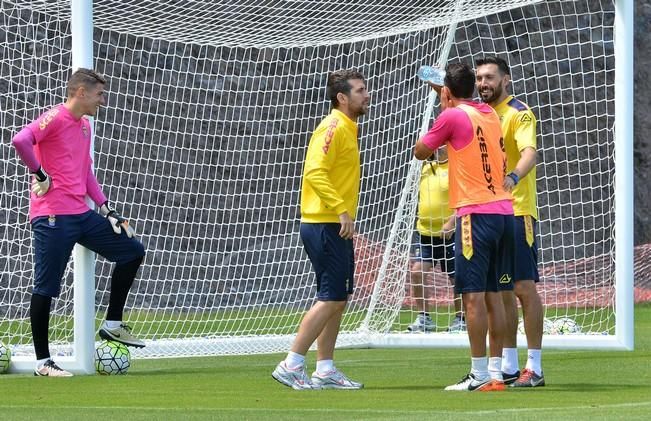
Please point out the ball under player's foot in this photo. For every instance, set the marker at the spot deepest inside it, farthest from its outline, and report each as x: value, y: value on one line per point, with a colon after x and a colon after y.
x: 51, y: 369
x: 471, y: 383
x: 529, y: 378
x: 121, y: 334
x: 296, y: 377
x: 334, y: 379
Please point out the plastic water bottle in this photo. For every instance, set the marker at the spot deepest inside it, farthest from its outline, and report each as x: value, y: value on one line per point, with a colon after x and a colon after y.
x: 431, y: 74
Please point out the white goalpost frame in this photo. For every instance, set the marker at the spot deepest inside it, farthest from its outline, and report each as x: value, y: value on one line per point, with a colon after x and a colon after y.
x: 80, y: 359
x: 623, y: 339
x: 624, y: 181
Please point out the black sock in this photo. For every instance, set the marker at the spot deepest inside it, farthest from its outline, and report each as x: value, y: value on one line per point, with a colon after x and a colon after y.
x: 39, y: 315
x: 121, y: 281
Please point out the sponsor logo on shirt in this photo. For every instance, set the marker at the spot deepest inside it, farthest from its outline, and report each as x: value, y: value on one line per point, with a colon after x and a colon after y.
x: 329, y: 135
x: 486, y: 166
x: 47, y: 118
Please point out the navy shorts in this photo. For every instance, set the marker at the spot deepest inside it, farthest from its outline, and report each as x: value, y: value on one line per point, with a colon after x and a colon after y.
x: 526, y: 249
x: 433, y: 250
x: 332, y: 258
x: 484, y: 253
x: 55, y: 236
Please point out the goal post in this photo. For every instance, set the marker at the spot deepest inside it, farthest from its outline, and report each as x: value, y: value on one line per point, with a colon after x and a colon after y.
x: 210, y: 106
x: 624, y: 181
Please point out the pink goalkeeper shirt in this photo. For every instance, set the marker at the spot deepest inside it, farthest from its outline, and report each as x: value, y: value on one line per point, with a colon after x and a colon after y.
x: 453, y: 126
x: 60, y: 143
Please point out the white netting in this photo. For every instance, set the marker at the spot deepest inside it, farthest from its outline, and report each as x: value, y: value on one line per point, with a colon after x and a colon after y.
x: 201, y: 145
x: 562, y: 63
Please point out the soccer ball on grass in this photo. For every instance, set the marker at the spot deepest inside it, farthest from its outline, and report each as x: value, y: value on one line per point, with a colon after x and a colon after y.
x: 566, y: 326
x: 112, y: 358
x: 5, y: 358
x: 548, y: 326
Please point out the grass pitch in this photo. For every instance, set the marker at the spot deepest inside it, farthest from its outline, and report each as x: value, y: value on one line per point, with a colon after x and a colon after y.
x: 404, y: 384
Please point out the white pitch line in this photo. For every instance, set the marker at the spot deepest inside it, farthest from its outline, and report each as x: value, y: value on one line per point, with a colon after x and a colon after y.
x: 334, y: 410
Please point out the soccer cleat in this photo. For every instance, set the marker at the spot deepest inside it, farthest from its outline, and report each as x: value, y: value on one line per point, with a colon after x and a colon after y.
x: 422, y: 323
x: 50, y: 369
x: 334, y: 379
x: 296, y: 378
x: 471, y: 384
x: 529, y: 378
x: 510, y: 378
x: 457, y: 325
x: 120, y: 334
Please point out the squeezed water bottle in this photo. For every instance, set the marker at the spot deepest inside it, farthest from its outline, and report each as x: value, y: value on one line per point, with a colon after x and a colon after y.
x: 431, y: 74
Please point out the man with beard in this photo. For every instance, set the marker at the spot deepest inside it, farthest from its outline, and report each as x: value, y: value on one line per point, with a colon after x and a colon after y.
x: 329, y: 197
x: 519, y: 131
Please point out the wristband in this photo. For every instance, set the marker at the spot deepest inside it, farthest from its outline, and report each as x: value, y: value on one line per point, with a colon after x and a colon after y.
x: 514, y: 177
x: 40, y: 175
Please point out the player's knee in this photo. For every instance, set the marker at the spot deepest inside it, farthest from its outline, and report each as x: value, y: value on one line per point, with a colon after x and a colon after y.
x: 525, y: 290
x: 416, y: 268
x: 138, y: 251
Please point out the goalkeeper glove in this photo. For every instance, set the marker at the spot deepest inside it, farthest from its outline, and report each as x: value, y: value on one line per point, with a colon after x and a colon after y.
x: 118, y: 222
x: 41, y: 182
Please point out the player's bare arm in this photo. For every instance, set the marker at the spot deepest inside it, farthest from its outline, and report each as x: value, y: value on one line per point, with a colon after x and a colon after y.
x: 525, y: 164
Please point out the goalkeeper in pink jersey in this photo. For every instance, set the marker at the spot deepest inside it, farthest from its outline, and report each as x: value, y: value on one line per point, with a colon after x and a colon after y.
x: 56, y: 149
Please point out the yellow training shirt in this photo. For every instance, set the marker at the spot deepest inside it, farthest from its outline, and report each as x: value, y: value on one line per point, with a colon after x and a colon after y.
x: 433, y: 209
x: 331, y: 175
x: 519, y: 131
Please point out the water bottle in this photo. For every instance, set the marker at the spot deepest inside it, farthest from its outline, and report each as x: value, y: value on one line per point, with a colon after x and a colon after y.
x: 431, y: 74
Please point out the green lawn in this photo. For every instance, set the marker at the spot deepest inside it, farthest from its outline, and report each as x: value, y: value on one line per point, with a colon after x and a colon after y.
x: 400, y: 384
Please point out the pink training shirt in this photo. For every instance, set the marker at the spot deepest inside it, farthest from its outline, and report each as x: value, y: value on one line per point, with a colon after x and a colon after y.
x: 453, y: 126
x: 60, y: 143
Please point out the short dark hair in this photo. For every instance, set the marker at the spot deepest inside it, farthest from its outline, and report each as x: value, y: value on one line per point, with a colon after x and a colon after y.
x: 84, y: 77
x: 338, y: 83
x: 460, y: 79
x: 501, y: 64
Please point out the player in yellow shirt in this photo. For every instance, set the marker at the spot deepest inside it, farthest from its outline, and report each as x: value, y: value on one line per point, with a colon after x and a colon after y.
x: 434, y: 241
x: 329, y: 196
x: 519, y: 130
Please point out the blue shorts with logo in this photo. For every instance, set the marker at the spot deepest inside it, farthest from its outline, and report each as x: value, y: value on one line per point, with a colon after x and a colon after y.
x: 526, y: 249
x: 56, y: 235
x: 484, y: 253
x: 333, y: 260
x: 434, y: 249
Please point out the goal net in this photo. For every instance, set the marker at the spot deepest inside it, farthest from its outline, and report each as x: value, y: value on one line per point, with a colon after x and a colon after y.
x: 202, y: 142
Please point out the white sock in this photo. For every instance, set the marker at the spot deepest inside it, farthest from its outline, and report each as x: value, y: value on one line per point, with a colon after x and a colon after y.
x: 479, y: 367
x: 294, y: 360
x: 324, y: 366
x: 510, y: 360
x: 40, y: 363
x: 495, y: 368
x: 112, y: 324
x: 534, y: 361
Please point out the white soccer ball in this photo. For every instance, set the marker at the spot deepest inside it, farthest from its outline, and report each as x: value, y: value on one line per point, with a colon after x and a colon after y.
x: 548, y: 326
x: 566, y: 326
x: 5, y: 358
x: 112, y: 358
